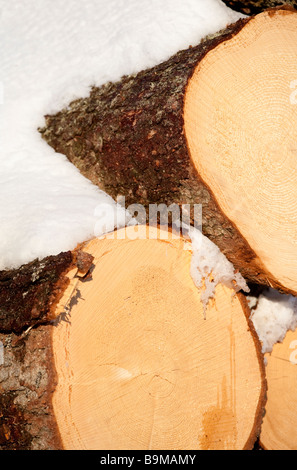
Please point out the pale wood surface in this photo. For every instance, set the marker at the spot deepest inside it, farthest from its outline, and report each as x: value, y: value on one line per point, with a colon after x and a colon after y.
x: 138, y: 366
x: 240, y: 109
x: 279, y: 430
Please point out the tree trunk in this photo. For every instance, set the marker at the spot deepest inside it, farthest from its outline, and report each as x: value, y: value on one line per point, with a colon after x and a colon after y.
x: 251, y: 7
x: 131, y: 363
x: 209, y: 126
x: 279, y: 430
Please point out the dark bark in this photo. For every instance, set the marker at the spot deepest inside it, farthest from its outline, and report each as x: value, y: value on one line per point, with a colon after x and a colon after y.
x: 27, y: 381
x: 251, y: 7
x: 28, y: 294
x: 128, y: 138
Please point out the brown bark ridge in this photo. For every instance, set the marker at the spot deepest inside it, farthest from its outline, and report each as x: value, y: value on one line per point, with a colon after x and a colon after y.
x: 251, y: 7
x: 128, y: 138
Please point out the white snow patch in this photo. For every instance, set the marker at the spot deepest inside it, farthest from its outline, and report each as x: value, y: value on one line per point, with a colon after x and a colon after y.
x: 52, y: 52
x: 210, y: 267
x: 273, y: 315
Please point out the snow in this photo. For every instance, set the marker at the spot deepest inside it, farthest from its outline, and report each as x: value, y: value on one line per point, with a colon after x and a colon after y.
x: 273, y: 314
x: 52, y: 52
x: 210, y: 267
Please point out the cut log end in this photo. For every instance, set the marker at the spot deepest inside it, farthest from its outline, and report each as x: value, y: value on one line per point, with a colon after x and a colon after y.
x: 239, y: 113
x: 138, y: 366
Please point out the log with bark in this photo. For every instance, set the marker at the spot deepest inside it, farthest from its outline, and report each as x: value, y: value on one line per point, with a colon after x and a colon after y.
x: 211, y: 126
x: 29, y: 299
x: 129, y: 361
x: 250, y: 7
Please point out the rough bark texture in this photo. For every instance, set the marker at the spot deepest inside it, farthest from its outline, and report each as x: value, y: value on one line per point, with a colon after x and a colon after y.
x: 128, y: 138
x: 28, y: 294
x: 250, y: 7
x: 28, y: 297
x: 26, y: 385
